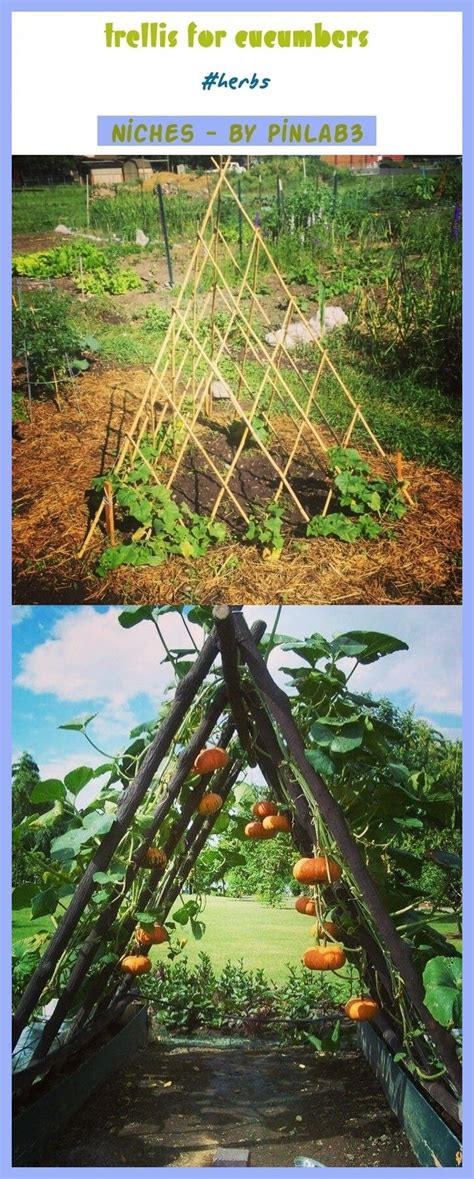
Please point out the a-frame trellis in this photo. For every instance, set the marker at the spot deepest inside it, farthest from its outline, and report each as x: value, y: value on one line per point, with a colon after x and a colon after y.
x: 258, y: 728
x: 215, y: 353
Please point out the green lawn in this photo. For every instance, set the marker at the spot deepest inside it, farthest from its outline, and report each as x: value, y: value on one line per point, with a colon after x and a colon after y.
x: 266, y: 938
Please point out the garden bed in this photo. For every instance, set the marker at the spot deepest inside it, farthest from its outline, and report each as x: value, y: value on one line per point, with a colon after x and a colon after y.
x: 57, y: 455
x: 279, y: 1104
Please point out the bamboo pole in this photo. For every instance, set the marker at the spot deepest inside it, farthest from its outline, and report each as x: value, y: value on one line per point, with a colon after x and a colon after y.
x: 287, y: 354
x: 215, y: 470
x: 230, y: 669
x: 165, y: 344
x: 334, y: 371
x: 258, y: 441
x: 109, y: 512
x: 296, y: 443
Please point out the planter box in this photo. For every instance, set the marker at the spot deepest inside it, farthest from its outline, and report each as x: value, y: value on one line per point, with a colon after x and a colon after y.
x: 433, y: 1143
x: 32, y: 1127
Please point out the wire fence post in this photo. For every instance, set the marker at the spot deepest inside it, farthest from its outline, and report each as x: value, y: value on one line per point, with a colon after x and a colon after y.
x: 164, y: 230
x: 88, y: 216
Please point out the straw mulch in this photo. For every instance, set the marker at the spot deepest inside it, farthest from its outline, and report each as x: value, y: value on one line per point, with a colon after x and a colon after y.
x: 56, y: 456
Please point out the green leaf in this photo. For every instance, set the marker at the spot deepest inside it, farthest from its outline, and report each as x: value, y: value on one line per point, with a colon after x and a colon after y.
x: 22, y: 895
x: 97, y: 824
x: 445, y: 859
x: 66, y: 846
x: 78, y: 778
x: 374, y: 645
x: 442, y: 978
x: 44, y: 903
x: 349, y: 738
x: 320, y: 761
x: 198, y: 929
x: 129, y: 618
x: 52, y: 790
x: 77, y: 726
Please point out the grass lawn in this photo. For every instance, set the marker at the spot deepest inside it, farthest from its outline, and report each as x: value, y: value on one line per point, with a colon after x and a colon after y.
x: 266, y: 938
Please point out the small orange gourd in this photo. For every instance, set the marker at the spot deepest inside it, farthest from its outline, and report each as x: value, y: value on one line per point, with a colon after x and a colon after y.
x: 320, y: 929
x: 255, y: 831
x: 209, y: 760
x: 135, y: 964
x: 306, y: 905
x: 329, y: 957
x: 155, y: 857
x: 262, y: 809
x: 361, y: 1009
x: 316, y: 870
x: 154, y: 936
x: 209, y: 804
x: 276, y: 823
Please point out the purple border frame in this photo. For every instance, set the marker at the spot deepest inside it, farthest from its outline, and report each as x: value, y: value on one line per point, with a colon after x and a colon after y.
x: 7, y: 7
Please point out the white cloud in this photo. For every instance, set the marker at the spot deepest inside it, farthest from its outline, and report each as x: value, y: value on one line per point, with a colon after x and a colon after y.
x: 88, y: 656
x: 20, y: 614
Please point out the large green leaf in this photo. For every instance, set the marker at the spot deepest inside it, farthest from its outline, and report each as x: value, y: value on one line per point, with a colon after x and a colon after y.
x: 78, y: 778
x: 442, y: 978
x: 320, y: 761
x: 349, y: 738
x: 66, y: 846
x: 97, y: 824
x: 373, y: 645
x: 52, y: 790
x: 23, y: 894
x: 44, y: 903
x: 129, y: 618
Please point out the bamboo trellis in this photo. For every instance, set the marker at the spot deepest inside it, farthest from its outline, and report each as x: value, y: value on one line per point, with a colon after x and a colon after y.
x: 255, y: 723
x: 217, y: 338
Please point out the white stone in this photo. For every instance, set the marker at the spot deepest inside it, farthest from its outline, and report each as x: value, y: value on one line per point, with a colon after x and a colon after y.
x: 141, y: 238
x: 62, y: 229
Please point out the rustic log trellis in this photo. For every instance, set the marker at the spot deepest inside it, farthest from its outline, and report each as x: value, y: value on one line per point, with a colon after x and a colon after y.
x: 258, y: 727
x: 197, y: 354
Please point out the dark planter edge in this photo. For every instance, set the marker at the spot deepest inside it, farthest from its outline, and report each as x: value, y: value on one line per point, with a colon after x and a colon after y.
x: 432, y: 1141
x: 32, y: 1128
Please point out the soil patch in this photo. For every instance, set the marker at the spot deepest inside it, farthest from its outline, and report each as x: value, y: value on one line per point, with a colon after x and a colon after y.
x: 175, y: 1107
x: 56, y: 456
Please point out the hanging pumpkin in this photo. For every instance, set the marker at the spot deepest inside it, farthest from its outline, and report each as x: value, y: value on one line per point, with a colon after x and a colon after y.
x: 316, y: 870
x: 319, y: 929
x: 276, y: 823
x: 262, y: 809
x: 329, y: 957
x: 257, y: 831
x: 306, y: 905
x: 209, y: 804
x: 135, y: 964
x: 155, y: 857
x: 361, y: 1009
x: 209, y: 760
x: 154, y: 936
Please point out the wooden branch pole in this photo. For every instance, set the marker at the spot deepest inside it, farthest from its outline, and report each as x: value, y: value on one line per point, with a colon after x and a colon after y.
x: 333, y: 815
x: 109, y: 512
x: 222, y: 617
x: 131, y: 800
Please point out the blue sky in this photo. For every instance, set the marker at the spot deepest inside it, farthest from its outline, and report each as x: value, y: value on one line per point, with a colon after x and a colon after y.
x: 72, y: 661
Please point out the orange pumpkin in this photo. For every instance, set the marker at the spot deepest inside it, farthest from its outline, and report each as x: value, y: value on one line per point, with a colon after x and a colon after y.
x: 276, y: 823
x: 330, y: 927
x: 155, y: 857
x: 135, y: 964
x: 306, y: 905
x: 154, y: 936
x: 316, y: 870
x: 257, y: 831
x: 209, y: 760
x: 209, y: 804
x: 361, y: 1009
x: 262, y: 809
x: 329, y: 957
